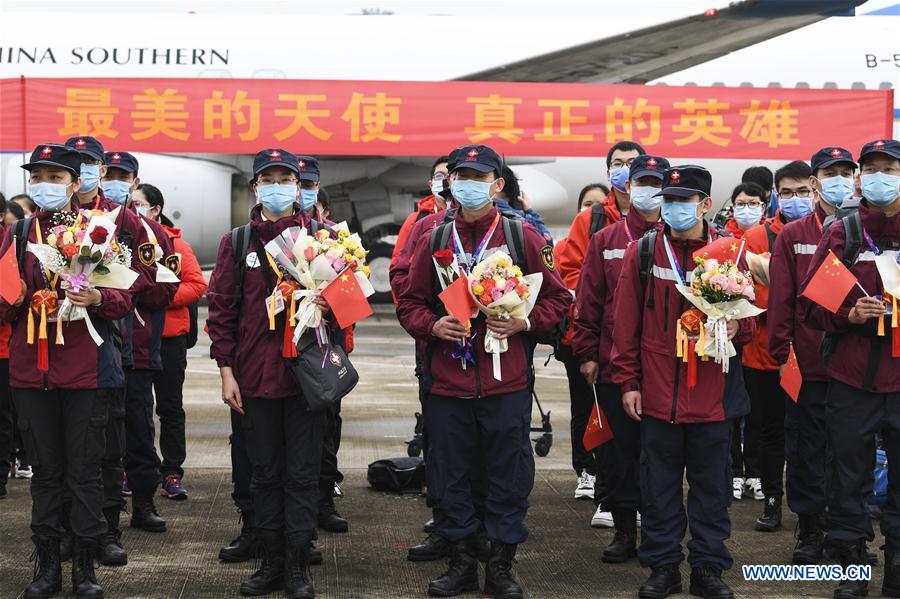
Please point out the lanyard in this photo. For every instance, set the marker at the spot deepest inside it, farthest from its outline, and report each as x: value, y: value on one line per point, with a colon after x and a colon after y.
x: 818, y: 222
x: 628, y: 232
x: 479, y: 252
x: 673, y: 261
x: 274, y: 266
x: 871, y: 243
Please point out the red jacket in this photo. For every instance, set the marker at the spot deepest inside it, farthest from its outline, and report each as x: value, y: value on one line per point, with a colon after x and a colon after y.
x: 733, y: 229
x: 571, y: 258
x: 190, y: 289
x: 419, y: 309
x: 788, y: 266
x: 426, y: 206
x: 856, y: 345
x: 756, y: 353
x: 79, y: 363
x: 643, y: 354
x: 593, y: 335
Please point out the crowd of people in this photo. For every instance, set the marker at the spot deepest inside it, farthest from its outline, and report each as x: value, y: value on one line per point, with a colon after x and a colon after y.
x: 78, y: 412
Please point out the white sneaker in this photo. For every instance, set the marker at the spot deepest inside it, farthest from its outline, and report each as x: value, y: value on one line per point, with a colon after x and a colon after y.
x: 602, y: 519
x: 737, y: 485
x: 23, y: 471
x: 753, y: 488
x: 638, y: 520
x: 585, y: 488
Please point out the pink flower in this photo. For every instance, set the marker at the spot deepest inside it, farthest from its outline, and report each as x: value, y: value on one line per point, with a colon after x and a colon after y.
x: 309, y: 253
x: 496, y: 294
x: 79, y: 235
x: 734, y: 288
x: 750, y: 293
x: 510, y: 285
x: 339, y: 264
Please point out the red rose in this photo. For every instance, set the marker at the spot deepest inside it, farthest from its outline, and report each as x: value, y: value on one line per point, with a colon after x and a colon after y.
x: 69, y: 250
x: 99, y: 235
x: 444, y: 258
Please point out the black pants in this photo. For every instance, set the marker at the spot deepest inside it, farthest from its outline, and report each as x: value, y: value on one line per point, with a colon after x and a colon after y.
x: 7, y: 421
x: 745, y: 456
x: 241, y: 469
x: 581, y: 402
x: 141, y: 460
x: 624, y: 452
x: 853, y: 417
x: 331, y: 444
x: 491, y: 434
x: 667, y: 452
x: 113, y: 462
x: 767, y: 400
x: 64, y: 432
x: 284, y: 441
x: 168, y: 384
x: 805, y: 449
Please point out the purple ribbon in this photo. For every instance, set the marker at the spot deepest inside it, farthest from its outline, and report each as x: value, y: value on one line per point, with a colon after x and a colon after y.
x: 78, y: 282
x: 464, y: 351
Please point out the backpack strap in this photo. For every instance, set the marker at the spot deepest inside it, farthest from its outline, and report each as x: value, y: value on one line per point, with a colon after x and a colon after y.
x: 515, y: 241
x: 771, y: 235
x: 646, y: 251
x: 240, y: 242
x: 20, y: 231
x: 853, y: 233
x: 598, y: 219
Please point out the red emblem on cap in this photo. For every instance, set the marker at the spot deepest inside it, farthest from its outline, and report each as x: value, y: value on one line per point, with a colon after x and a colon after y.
x: 836, y: 153
x: 274, y: 154
x: 879, y: 144
x: 80, y: 143
x: 46, y: 151
x: 302, y: 165
x: 651, y: 162
x: 116, y: 157
x: 675, y: 177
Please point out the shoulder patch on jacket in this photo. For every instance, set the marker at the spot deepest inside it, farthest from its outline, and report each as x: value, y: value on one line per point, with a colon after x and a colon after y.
x: 147, y: 253
x: 173, y: 263
x: 547, y: 256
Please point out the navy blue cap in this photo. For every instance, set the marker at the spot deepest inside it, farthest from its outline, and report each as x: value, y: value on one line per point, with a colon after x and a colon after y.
x: 121, y: 160
x: 480, y: 158
x: 308, y: 168
x: 685, y: 181
x: 831, y: 155
x: 274, y: 157
x: 86, y: 145
x: 56, y: 156
x: 646, y: 165
x: 891, y: 147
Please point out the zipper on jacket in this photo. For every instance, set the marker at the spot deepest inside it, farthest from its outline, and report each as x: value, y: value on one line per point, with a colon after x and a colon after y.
x: 684, y: 258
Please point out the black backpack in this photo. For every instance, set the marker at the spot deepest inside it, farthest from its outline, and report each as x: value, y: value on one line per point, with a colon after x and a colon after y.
x: 20, y: 231
x: 598, y: 219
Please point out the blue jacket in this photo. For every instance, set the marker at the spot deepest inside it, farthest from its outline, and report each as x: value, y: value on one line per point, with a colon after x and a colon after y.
x: 529, y: 215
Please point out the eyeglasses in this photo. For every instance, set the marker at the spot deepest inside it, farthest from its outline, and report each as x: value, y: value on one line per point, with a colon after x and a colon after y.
x: 438, y: 176
x: 619, y: 164
x: 803, y: 194
x: 748, y: 205
x: 269, y: 181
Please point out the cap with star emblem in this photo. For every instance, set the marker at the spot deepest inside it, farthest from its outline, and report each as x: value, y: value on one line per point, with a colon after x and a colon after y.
x: 480, y: 158
x: 309, y: 168
x: 891, y: 147
x: 87, y: 146
x: 831, y: 155
x: 646, y: 165
x: 274, y: 157
x: 122, y: 161
x: 56, y: 156
x: 685, y: 181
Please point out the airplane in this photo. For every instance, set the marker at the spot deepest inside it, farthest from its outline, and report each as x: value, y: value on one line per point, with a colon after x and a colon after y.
x: 829, y: 44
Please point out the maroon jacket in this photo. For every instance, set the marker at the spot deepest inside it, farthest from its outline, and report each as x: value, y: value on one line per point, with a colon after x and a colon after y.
x: 77, y: 364
x: 419, y: 309
x: 856, y: 345
x: 593, y: 334
x: 240, y: 336
x: 793, y: 251
x: 643, y: 355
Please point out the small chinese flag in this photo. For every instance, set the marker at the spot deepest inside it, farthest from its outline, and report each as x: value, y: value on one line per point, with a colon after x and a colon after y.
x: 723, y: 249
x: 831, y: 283
x: 791, y: 378
x: 458, y: 301
x: 347, y: 301
x: 598, y: 430
x: 10, y: 280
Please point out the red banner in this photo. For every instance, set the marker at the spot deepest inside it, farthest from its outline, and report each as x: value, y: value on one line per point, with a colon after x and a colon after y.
x: 427, y: 119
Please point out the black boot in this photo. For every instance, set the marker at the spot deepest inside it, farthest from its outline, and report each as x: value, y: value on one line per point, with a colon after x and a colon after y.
x: 461, y: 575
x: 65, y: 546
x: 706, y: 582
x: 890, y: 587
x: 770, y: 521
x: 498, y: 577
x: 270, y: 576
x: 433, y: 548
x: 47, y: 568
x: 624, y: 544
x: 314, y: 556
x: 111, y: 551
x: 329, y: 518
x: 243, y: 548
x: 851, y: 553
x: 663, y: 581
x: 84, y: 581
x: 808, y: 550
x: 144, y: 514
x: 482, y: 546
x: 297, y: 584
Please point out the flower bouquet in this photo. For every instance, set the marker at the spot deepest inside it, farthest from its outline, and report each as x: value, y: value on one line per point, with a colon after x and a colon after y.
x: 719, y: 293
x: 499, y: 288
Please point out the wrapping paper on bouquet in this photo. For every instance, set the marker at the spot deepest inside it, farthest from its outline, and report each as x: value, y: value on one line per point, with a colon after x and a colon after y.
x: 759, y: 267
x: 507, y: 305
x: 888, y: 264
x: 715, y: 343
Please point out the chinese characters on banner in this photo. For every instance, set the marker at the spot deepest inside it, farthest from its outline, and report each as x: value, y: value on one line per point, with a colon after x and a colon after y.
x: 428, y: 118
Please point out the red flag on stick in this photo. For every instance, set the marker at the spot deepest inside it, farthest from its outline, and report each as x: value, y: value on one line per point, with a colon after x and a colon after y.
x: 458, y: 301
x: 598, y: 430
x: 831, y: 283
x: 791, y: 378
x: 347, y: 301
x: 10, y: 280
x: 723, y: 249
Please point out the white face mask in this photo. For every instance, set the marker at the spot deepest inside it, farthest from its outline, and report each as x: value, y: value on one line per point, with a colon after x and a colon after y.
x: 645, y: 198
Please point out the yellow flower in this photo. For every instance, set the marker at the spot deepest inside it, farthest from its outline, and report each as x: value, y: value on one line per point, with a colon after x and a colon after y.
x: 478, y: 290
x: 366, y: 270
x: 51, y: 239
x: 517, y: 271
x: 360, y: 253
x: 343, y: 233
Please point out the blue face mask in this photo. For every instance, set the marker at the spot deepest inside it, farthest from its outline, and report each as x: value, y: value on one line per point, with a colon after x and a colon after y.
x: 308, y: 198
x: 880, y: 188
x: 50, y: 196
x: 116, y: 191
x: 645, y: 198
x: 795, y: 207
x: 618, y: 177
x: 276, y: 198
x: 680, y: 216
x: 90, y: 177
x: 836, y: 189
x: 747, y: 217
x: 472, y: 195
x: 143, y: 211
